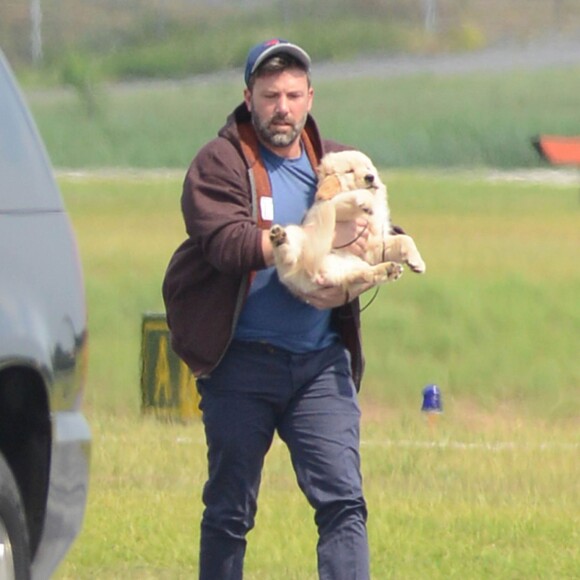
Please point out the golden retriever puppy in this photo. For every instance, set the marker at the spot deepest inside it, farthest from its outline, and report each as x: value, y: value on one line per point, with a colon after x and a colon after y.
x: 349, y: 187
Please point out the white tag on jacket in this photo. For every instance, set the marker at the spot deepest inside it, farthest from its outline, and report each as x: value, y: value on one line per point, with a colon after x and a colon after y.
x: 267, y: 208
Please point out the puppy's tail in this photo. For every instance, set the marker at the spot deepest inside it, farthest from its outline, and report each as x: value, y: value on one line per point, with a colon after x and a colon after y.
x: 319, y: 228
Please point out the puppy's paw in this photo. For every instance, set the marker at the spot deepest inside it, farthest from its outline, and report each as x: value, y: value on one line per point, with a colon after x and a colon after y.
x: 386, y: 272
x: 365, y: 208
x: 365, y: 201
x: 393, y: 271
x: 417, y: 264
x: 278, y: 235
x: 402, y: 248
x: 413, y: 259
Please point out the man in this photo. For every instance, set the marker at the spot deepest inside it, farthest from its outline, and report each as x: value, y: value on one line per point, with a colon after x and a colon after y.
x: 266, y: 361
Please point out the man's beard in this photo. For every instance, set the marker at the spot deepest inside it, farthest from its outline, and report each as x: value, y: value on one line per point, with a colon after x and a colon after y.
x: 270, y: 135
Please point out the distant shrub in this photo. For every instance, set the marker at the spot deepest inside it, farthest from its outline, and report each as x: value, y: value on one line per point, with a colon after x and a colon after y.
x: 468, y: 36
x: 81, y: 74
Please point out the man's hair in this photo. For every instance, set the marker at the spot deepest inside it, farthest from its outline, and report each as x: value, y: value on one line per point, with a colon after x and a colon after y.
x: 276, y: 64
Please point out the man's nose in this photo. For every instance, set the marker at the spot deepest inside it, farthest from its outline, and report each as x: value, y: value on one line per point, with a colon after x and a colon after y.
x: 282, y: 104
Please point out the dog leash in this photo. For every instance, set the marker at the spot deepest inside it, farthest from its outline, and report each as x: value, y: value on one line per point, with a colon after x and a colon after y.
x: 344, y: 317
x: 371, y: 300
x: 376, y: 287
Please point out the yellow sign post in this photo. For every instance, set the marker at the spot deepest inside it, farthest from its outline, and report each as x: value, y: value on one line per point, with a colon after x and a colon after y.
x: 168, y: 389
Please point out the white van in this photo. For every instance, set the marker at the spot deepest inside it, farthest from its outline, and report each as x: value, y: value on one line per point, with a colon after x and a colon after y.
x: 44, y: 436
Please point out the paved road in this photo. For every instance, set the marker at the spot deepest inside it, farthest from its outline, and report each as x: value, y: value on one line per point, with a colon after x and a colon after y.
x: 557, y: 52
x: 552, y: 52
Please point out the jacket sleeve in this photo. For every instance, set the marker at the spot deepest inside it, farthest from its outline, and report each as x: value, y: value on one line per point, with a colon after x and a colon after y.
x: 216, y: 206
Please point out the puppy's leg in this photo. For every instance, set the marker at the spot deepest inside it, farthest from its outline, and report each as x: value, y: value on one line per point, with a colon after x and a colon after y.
x: 387, y: 272
x: 352, y: 204
x: 378, y: 274
x: 287, y: 248
x: 402, y: 248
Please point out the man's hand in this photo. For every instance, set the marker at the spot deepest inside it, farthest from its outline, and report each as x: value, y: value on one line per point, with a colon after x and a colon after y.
x: 329, y: 296
x: 352, y: 236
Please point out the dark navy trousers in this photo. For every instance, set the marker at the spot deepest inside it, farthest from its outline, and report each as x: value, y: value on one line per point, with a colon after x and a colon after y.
x: 311, y: 402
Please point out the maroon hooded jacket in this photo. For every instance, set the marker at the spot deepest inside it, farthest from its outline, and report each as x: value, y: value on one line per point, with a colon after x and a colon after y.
x: 209, y: 275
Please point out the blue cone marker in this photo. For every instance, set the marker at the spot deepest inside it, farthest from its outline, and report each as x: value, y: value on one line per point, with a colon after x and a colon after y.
x: 432, y: 406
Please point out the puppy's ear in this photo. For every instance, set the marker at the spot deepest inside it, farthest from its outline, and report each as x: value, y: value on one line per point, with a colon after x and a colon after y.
x: 325, y: 167
x: 328, y: 188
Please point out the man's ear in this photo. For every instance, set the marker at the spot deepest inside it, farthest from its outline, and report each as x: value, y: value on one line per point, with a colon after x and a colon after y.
x: 248, y: 99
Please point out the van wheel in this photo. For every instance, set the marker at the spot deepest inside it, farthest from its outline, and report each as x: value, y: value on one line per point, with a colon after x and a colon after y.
x: 14, y: 549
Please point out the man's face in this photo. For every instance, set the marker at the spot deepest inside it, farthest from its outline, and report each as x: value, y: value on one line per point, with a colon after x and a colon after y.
x: 279, y: 104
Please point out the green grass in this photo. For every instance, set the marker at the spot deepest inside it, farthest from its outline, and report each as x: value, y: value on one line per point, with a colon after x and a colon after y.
x: 492, y: 492
x: 471, y: 120
x: 434, y: 512
x: 495, y: 315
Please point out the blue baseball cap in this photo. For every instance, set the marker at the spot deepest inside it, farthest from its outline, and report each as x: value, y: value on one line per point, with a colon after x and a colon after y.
x: 259, y: 53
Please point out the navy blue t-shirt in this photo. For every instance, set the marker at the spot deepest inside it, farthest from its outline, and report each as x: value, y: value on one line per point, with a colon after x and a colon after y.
x: 271, y: 313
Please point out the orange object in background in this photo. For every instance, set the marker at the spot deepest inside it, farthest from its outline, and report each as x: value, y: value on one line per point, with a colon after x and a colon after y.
x: 558, y: 150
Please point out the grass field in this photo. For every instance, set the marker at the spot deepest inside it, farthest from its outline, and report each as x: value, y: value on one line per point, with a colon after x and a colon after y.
x: 469, y: 120
x: 491, y: 493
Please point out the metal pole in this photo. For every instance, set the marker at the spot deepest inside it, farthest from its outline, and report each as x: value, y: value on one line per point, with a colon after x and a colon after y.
x: 36, y: 31
x: 430, y: 7
x: 558, y: 15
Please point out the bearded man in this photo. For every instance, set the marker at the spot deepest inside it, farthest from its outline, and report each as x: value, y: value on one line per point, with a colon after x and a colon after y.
x: 265, y: 360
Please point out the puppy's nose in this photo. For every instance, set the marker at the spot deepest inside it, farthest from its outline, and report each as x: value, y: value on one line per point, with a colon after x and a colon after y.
x: 369, y: 178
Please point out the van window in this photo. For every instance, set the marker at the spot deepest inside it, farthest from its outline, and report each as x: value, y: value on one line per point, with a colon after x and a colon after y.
x: 26, y: 181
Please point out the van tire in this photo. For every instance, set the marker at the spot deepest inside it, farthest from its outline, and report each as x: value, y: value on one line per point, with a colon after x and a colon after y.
x: 14, y: 546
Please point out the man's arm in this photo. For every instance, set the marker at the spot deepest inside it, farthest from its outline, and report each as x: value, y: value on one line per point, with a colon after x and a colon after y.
x: 217, y: 212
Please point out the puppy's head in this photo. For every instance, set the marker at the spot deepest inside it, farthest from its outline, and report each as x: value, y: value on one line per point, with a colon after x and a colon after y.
x: 345, y: 171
